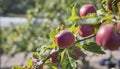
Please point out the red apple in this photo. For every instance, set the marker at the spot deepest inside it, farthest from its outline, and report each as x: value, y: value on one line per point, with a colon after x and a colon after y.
x: 54, y: 57
x: 85, y: 30
x: 108, y: 37
x: 64, y: 39
x: 88, y: 8
x: 75, y: 53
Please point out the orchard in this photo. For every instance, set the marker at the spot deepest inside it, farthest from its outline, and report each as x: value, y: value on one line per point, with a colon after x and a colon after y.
x: 90, y: 30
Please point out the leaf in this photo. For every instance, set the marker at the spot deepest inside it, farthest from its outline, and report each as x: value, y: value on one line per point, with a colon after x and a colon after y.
x: 35, y: 55
x: 63, y: 55
x: 51, y: 65
x: 52, y: 35
x: 73, y: 13
x: 17, y: 67
x: 74, y: 29
x: 73, y: 63
x: 93, y: 20
x: 29, y: 63
x: 93, y: 47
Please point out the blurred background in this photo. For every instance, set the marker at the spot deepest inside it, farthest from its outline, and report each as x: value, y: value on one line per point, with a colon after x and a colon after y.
x: 25, y: 26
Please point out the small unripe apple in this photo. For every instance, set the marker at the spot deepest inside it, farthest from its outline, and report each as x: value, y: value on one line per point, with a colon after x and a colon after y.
x: 54, y: 57
x: 108, y: 37
x: 85, y: 30
x: 64, y: 39
x: 75, y: 53
x: 88, y: 8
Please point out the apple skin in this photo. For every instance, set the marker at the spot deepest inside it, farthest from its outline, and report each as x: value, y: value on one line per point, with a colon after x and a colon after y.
x: 85, y: 30
x: 64, y: 39
x: 118, y: 28
x: 108, y: 37
x: 88, y: 8
x: 75, y: 53
x: 53, y: 58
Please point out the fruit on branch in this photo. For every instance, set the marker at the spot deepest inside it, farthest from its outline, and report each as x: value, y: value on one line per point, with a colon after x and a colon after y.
x: 108, y: 37
x: 54, y: 57
x: 64, y: 39
x: 86, y: 9
x: 75, y: 52
x: 85, y: 30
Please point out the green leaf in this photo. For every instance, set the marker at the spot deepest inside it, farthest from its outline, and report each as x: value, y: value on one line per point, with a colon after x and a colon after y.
x: 63, y: 55
x: 35, y: 55
x: 52, y: 35
x: 74, y: 28
x: 29, y: 63
x: 73, y: 17
x: 51, y: 65
x: 73, y: 63
x: 93, y: 47
x: 17, y: 67
x: 93, y: 20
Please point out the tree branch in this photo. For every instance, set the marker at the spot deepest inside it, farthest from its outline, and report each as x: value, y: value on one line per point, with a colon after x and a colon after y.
x: 85, y: 38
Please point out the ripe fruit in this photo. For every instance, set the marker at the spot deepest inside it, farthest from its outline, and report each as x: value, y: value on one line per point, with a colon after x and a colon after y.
x: 85, y: 30
x: 64, y: 39
x: 53, y: 58
x: 88, y: 8
x: 75, y: 52
x: 108, y: 37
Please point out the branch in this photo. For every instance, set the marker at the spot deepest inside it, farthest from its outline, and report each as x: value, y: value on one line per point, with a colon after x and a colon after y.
x: 85, y: 38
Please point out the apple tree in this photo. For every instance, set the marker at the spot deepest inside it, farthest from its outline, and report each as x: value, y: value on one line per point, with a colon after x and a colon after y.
x: 92, y: 30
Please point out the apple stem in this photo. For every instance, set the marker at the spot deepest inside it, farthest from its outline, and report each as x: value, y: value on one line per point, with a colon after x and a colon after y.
x: 85, y: 38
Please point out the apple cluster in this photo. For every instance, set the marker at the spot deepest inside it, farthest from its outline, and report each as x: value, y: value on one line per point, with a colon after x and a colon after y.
x: 106, y: 36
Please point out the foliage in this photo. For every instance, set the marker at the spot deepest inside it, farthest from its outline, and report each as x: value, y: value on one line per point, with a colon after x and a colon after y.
x: 34, y: 36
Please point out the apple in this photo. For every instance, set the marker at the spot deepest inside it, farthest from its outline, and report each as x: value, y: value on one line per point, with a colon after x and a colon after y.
x: 64, y: 39
x: 85, y: 30
x: 118, y: 26
x: 54, y: 56
x: 75, y: 52
x: 108, y: 37
x: 86, y: 9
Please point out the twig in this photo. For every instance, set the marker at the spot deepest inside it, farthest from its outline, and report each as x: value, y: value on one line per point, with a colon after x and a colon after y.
x: 85, y: 38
